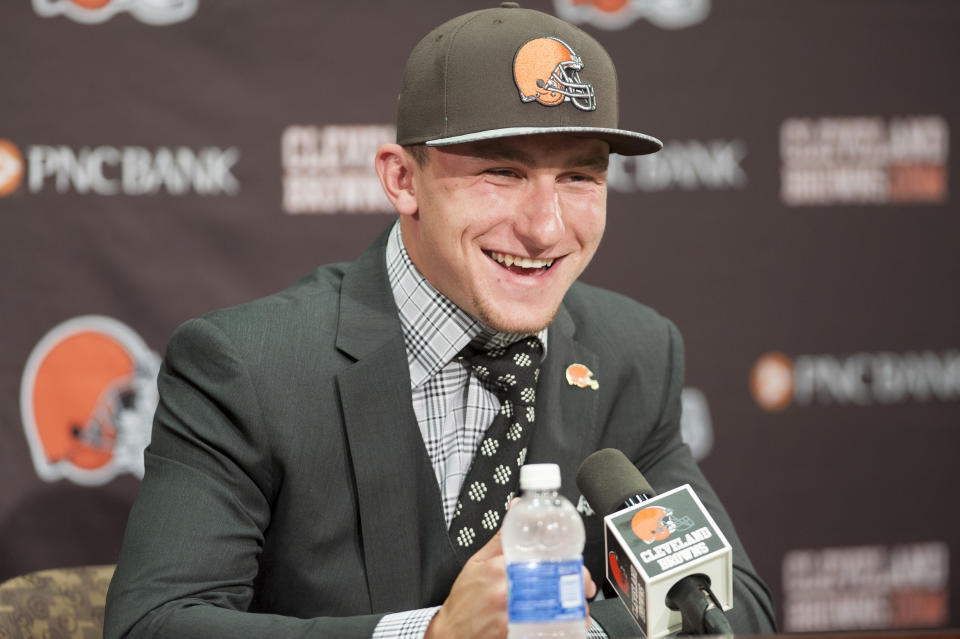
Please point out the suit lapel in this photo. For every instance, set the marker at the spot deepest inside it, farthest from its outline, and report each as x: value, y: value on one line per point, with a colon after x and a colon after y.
x: 405, y: 540
x: 566, y: 415
x: 398, y: 497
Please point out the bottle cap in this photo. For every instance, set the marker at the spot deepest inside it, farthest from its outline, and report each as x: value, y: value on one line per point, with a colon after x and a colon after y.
x: 539, y: 477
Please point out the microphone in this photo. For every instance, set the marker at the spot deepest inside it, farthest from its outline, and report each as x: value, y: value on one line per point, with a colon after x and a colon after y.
x: 663, y: 552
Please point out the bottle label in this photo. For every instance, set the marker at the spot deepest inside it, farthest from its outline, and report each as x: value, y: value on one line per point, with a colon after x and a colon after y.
x: 545, y: 591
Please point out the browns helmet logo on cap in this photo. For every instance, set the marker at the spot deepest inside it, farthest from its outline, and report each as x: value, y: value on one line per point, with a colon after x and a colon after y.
x: 87, y: 399
x: 547, y: 70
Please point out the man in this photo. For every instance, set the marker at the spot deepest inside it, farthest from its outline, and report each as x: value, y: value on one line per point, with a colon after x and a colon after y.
x: 314, y: 452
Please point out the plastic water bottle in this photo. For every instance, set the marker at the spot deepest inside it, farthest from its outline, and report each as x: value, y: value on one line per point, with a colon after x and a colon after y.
x: 543, y: 543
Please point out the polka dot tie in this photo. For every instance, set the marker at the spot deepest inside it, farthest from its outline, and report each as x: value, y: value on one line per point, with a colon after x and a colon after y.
x: 511, y: 373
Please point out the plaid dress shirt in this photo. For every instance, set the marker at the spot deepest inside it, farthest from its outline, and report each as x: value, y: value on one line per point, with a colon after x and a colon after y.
x: 452, y: 408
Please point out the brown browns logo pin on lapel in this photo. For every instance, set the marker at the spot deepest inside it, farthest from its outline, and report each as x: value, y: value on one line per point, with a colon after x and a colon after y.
x: 580, y: 375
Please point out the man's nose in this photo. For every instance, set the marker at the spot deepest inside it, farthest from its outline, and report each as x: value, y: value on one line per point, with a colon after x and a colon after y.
x: 540, y: 224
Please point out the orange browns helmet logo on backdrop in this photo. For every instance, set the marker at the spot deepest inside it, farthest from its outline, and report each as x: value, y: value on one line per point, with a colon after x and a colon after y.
x: 656, y: 524
x: 548, y: 71
x: 619, y: 14
x: 11, y: 167
x: 87, y: 399
x: 155, y: 12
x: 607, y: 6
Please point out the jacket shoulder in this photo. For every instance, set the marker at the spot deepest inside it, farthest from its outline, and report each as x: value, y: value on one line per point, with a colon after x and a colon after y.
x: 312, y: 293
x: 308, y: 309
x: 603, y: 315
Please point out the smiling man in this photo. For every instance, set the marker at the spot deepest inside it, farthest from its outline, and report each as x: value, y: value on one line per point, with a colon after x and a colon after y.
x: 501, y: 227
x: 335, y: 460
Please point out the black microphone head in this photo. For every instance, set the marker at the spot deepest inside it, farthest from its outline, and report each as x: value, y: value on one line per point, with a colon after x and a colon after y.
x: 607, y: 479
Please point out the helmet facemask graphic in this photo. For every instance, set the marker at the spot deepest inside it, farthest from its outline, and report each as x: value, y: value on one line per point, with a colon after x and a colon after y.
x: 548, y: 71
x: 116, y: 424
x: 565, y: 80
x: 654, y: 523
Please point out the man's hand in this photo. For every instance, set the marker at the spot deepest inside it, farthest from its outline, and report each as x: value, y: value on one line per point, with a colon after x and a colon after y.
x: 476, y: 607
x: 477, y: 604
x: 590, y: 590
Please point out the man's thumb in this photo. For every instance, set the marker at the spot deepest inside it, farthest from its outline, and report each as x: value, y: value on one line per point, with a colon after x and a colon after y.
x: 491, y: 549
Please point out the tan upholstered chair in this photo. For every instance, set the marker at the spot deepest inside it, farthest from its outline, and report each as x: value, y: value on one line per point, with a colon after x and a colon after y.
x: 62, y: 602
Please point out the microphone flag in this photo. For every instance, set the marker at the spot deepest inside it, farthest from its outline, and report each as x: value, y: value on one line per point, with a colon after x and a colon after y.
x: 654, y: 544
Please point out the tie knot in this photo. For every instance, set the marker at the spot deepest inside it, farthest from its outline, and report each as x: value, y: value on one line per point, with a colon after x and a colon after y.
x: 510, y: 372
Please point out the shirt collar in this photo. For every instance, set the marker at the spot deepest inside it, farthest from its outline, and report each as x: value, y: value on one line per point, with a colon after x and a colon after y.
x: 434, y: 328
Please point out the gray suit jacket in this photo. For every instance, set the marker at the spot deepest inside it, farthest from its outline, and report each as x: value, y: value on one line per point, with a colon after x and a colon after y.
x: 287, y: 476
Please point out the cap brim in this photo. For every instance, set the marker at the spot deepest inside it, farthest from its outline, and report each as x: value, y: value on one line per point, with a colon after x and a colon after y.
x: 620, y: 141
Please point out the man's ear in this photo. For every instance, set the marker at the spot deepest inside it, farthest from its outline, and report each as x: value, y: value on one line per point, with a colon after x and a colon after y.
x: 396, y: 169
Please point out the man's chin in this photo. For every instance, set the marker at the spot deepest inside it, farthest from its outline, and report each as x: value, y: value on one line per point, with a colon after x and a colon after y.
x: 530, y: 322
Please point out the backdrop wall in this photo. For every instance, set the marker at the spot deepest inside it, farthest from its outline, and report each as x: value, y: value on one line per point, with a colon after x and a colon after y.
x: 161, y: 158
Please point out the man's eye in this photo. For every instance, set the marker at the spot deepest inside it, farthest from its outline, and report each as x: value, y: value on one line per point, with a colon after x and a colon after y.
x: 501, y: 172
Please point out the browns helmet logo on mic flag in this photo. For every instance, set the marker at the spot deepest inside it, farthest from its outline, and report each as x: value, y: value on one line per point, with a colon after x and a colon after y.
x: 87, y: 399
x: 656, y: 524
x: 548, y: 71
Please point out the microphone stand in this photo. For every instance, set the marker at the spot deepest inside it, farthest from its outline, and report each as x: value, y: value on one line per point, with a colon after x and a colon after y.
x: 699, y: 609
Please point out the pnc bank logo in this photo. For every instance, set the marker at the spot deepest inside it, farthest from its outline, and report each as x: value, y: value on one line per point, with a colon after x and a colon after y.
x: 87, y: 399
x: 859, y: 379
x: 11, y: 167
x: 112, y: 170
x: 771, y: 382
x: 687, y: 165
x: 153, y: 12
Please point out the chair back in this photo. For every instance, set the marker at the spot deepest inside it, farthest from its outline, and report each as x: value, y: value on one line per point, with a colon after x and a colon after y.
x: 61, y: 602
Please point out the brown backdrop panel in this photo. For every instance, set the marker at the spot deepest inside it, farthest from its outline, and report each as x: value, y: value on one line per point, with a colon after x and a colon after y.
x: 142, y: 179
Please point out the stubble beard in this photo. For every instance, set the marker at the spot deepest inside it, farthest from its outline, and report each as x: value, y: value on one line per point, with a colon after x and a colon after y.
x: 494, y: 320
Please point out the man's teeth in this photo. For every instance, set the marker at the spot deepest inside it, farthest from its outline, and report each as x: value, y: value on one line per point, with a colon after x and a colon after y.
x: 525, y: 262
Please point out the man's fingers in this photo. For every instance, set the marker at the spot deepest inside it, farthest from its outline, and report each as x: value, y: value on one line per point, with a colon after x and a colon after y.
x: 491, y: 549
x: 589, y: 588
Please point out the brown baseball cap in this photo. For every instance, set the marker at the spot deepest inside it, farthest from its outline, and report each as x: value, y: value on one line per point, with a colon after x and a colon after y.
x: 509, y: 71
